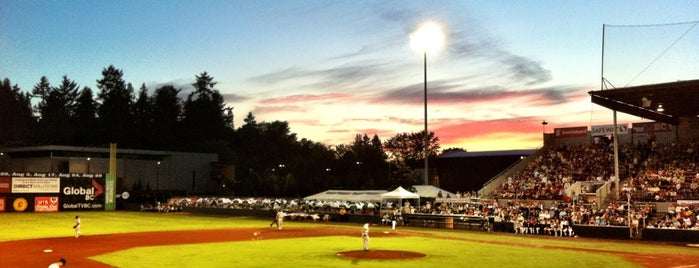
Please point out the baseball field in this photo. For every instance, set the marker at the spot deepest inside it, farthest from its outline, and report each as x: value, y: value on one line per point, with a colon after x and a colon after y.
x: 139, y: 239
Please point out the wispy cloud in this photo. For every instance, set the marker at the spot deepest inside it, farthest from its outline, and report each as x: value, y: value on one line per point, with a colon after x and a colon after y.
x: 304, y: 98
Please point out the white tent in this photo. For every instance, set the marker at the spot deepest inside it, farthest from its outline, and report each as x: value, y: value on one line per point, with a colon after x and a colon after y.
x: 432, y: 191
x: 400, y: 194
x: 348, y: 195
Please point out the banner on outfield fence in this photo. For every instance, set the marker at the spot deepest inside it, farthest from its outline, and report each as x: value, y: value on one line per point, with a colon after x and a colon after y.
x: 5, y: 185
x: 35, y: 185
x: 50, y: 192
x: 83, y: 193
x: 110, y: 192
x: 46, y: 204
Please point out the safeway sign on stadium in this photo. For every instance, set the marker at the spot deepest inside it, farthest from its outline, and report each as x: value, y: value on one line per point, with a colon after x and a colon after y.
x: 604, y: 130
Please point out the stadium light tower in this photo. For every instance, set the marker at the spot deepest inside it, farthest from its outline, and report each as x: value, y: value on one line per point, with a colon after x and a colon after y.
x: 427, y: 38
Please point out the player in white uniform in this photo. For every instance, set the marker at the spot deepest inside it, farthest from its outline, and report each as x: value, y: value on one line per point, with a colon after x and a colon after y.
x: 365, y: 236
x: 58, y: 264
x: 77, y: 226
x: 280, y: 219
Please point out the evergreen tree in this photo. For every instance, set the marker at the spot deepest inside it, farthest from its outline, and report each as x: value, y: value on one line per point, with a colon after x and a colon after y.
x: 56, y: 111
x: 115, y: 109
x: 143, y: 120
x: 85, y: 119
x: 204, y: 113
x: 167, y: 111
x: 15, y: 111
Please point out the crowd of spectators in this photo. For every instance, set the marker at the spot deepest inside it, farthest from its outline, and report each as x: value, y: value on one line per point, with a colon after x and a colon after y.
x: 648, y: 171
x: 667, y: 174
x: 556, y: 219
x: 679, y: 216
x: 546, y: 177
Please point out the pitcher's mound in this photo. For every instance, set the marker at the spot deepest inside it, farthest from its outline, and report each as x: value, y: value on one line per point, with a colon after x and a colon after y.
x: 380, y: 254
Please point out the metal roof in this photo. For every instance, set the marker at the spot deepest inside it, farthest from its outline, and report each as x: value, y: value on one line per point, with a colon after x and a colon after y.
x: 458, y: 154
x: 677, y: 99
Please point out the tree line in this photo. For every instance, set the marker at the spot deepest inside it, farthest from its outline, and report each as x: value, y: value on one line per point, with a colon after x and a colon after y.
x: 268, y: 159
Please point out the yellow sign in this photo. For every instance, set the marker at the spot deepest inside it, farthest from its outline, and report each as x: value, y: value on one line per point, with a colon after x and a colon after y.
x: 20, y: 204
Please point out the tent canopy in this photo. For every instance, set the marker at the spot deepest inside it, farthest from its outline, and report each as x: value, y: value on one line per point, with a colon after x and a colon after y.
x: 348, y: 195
x: 400, y: 193
x: 430, y: 191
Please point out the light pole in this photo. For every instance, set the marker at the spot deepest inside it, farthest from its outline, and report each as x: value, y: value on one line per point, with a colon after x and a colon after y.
x: 427, y: 38
x: 157, y: 177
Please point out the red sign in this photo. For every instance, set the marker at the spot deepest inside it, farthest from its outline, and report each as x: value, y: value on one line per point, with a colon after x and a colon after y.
x: 46, y: 204
x: 569, y: 132
x: 651, y: 127
x: 2, y: 204
x: 5, y: 184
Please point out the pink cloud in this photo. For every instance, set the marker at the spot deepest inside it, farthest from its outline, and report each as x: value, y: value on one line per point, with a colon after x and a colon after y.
x: 451, y: 133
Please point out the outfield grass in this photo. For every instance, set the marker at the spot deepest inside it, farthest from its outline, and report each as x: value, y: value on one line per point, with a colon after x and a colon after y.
x: 439, y: 245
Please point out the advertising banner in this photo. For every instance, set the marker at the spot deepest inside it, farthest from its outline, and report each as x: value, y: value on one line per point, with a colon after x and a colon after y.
x: 82, y: 192
x: 46, y: 204
x: 2, y: 204
x: 605, y: 130
x: 20, y: 204
x: 5, y: 185
x: 110, y: 193
x: 651, y: 127
x: 35, y: 185
x: 570, y: 132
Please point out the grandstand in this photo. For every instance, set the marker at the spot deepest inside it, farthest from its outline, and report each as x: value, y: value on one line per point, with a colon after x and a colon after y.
x: 678, y: 100
x: 657, y: 166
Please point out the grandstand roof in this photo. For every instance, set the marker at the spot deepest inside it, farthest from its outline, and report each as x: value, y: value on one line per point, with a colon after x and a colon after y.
x: 678, y: 99
x: 456, y: 154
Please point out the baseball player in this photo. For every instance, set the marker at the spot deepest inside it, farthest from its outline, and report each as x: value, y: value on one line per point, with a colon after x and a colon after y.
x: 77, y: 226
x: 280, y: 219
x: 365, y: 236
x: 58, y: 264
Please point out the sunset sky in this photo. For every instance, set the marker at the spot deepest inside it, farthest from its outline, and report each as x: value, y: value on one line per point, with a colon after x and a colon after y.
x: 334, y: 69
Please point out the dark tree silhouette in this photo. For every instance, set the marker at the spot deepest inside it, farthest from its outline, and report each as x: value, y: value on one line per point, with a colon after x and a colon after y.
x: 204, y: 114
x: 167, y: 111
x: 115, y: 111
x: 85, y: 119
x: 143, y: 120
x: 15, y: 111
x: 56, y: 111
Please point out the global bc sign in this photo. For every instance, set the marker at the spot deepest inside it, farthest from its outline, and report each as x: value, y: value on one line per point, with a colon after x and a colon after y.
x: 89, y: 194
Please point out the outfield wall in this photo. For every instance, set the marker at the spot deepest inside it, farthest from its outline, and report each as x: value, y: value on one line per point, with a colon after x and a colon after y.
x: 51, y: 192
